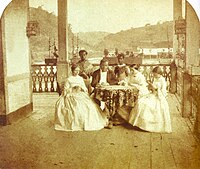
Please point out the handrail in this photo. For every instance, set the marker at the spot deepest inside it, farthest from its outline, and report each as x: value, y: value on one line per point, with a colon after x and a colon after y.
x: 44, y: 77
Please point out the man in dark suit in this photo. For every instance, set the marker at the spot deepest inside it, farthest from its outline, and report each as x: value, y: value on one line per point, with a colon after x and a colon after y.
x: 103, y: 77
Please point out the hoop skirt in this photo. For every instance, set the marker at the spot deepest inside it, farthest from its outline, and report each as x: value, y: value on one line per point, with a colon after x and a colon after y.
x: 151, y: 112
x: 75, y: 111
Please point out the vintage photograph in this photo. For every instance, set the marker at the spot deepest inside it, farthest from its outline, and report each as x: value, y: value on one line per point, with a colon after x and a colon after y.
x: 96, y: 84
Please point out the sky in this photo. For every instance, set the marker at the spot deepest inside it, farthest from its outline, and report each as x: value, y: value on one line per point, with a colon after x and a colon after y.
x: 112, y: 15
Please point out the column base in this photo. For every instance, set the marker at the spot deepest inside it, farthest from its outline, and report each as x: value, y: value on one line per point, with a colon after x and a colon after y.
x: 16, y: 115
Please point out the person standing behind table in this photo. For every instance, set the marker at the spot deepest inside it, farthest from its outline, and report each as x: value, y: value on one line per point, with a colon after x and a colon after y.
x: 103, y: 77
x: 137, y: 79
x: 106, y: 53
x: 121, y: 70
x: 75, y: 110
x: 151, y: 112
x: 86, y: 69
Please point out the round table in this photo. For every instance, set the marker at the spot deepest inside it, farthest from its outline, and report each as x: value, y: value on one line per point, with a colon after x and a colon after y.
x: 116, y: 96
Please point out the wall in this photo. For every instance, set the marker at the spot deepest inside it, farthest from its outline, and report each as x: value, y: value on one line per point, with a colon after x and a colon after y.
x: 16, y: 58
x: 188, y: 65
x: 2, y: 87
x: 192, y: 37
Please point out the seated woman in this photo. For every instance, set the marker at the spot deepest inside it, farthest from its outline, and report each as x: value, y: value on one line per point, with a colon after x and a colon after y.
x: 151, y: 112
x: 74, y: 109
x: 137, y: 79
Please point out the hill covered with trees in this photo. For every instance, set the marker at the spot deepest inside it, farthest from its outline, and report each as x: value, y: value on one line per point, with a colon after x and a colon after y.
x: 154, y: 36
x: 48, y: 32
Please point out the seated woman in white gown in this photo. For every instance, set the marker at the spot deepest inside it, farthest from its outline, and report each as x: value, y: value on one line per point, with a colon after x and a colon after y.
x: 74, y: 109
x: 137, y: 79
x: 151, y: 112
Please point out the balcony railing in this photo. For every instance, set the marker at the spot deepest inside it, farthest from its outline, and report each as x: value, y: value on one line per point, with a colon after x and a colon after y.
x: 146, y: 70
x: 44, y: 77
x: 195, y: 101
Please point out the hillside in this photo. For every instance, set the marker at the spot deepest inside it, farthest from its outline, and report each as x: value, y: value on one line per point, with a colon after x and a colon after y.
x: 39, y: 45
x: 160, y: 35
x: 92, y: 38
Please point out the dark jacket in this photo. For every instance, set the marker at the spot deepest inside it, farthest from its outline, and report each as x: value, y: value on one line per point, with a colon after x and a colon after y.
x: 111, y: 78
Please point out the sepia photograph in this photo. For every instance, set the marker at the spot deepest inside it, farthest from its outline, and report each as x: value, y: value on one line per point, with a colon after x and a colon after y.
x: 100, y: 84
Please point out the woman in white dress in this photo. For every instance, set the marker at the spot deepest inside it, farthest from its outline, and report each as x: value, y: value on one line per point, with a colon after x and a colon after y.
x: 74, y: 110
x: 137, y: 79
x: 151, y: 112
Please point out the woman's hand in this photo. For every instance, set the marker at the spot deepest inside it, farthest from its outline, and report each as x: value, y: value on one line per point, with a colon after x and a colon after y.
x: 84, y: 75
x: 105, y: 84
x: 77, y: 88
x: 123, y: 83
x: 98, y: 85
x: 102, y: 84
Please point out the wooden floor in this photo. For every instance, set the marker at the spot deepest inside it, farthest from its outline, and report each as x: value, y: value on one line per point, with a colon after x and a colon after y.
x: 33, y: 143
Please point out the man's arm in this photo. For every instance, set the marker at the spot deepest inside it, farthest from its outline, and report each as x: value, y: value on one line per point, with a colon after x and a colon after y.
x: 94, y: 79
x: 112, y: 80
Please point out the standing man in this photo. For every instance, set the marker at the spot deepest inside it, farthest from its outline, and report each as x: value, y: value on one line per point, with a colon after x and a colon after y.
x: 121, y: 70
x: 86, y: 69
x: 106, y: 53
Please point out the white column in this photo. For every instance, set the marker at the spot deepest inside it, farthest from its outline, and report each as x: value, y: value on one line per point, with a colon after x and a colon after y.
x: 63, y: 61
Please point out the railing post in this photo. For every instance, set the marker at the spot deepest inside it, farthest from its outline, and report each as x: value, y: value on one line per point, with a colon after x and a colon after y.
x: 52, y: 79
x: 197, y: 123
x: 186, y: 102
x: 196, y: 104
x: 34, y: 81
x: 40, y: 79
x: 46, y: 79
x: 173, y: 84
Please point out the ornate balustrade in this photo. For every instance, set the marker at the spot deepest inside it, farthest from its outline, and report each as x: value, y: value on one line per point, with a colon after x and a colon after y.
x: 146, y: 70
x: 195, y: 102
x: 44, y: 78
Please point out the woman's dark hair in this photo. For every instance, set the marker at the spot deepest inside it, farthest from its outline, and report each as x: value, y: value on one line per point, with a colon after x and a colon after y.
x: 82, y: 51
x: 74, y: 66
x: 158, y: 70
x: 119, y: 70
x: 121, y: 55
x: 135, y: 66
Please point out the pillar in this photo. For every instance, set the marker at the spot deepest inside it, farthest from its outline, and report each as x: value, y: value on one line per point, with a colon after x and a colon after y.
x: 192, y: 39
x: 173, y: 84
x: 2, y: 84
x: 63, y: 60
x: 177, y: 13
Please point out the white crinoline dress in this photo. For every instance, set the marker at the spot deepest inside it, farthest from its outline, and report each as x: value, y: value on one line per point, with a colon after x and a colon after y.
x: 151, y: 112
x: 75, y: 111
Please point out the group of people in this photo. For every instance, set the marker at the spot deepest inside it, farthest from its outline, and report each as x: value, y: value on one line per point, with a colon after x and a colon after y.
x: 78, y: 109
